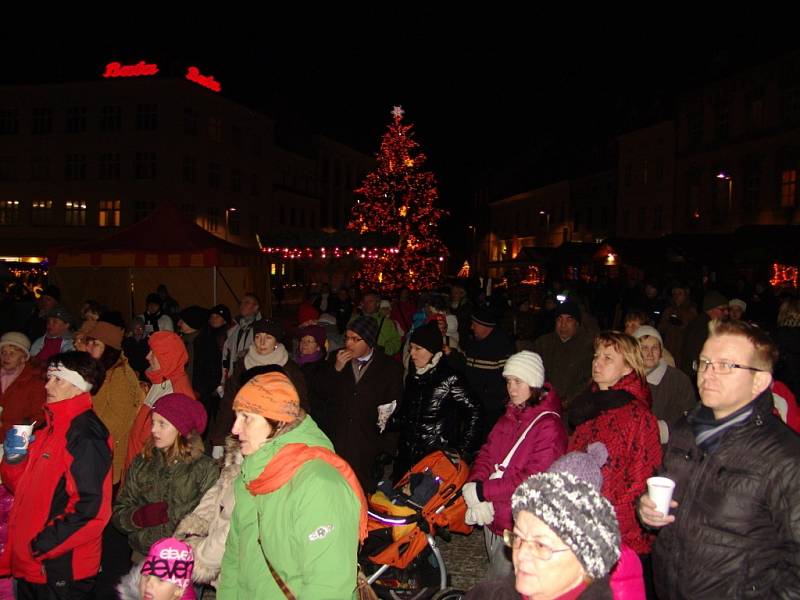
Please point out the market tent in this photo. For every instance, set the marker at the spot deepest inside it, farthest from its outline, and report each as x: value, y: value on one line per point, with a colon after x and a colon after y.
x: 165, y: 247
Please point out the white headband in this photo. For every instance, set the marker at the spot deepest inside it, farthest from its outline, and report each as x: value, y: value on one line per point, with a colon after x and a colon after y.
x: 69, y: 375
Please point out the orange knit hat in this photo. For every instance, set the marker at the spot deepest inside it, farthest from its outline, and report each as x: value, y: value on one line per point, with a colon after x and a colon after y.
x: 270, y: 395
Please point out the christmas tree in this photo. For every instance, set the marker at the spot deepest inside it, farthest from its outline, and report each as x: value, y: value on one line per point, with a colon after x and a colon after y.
x: 397, y: 199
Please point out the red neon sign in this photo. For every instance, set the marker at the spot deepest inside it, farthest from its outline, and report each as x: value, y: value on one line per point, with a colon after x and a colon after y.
x: 115, y: 69
x: 207, y: 81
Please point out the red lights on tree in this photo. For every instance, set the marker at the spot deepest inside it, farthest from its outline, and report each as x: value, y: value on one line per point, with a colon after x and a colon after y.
x: 398, y: 199
x: 140, y: 69
x: 207, y: 81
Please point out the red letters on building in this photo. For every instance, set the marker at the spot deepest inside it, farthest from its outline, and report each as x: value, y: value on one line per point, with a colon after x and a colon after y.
x: 140, y: 69
x: 193, y: 74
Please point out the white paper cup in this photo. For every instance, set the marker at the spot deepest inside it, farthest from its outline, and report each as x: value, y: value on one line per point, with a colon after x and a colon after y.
x: 660, y: 491
x: 24, y: 431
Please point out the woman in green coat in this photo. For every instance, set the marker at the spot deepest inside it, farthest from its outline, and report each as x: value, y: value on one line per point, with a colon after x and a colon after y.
x: 169, y: 477
x: 300, y: 513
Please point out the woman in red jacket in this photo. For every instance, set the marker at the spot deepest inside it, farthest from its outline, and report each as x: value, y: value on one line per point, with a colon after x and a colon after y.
x: 62, y: 488
x: 615, y: 410
x: 525, y: 440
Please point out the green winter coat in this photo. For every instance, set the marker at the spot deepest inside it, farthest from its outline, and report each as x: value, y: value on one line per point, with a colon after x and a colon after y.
x: 181, y: 485
x: 308, y: 528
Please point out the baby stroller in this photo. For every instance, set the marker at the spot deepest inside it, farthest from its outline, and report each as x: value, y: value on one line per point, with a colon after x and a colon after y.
x: 400, y: 557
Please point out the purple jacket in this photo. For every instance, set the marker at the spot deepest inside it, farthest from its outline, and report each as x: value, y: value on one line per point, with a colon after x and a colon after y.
x: 545, y: 442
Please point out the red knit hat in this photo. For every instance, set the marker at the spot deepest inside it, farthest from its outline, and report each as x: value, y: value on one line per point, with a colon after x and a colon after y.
x: 306, y: 312
x: 184, y: 413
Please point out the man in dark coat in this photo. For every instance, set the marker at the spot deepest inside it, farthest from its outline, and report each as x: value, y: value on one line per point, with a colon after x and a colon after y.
x: 733, y: 529
x: 365, y: 386
x: 715, y: 306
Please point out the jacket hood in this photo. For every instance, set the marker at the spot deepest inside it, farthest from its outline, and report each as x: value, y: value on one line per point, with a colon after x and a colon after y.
x: 233, y: 452
x: 170, y: 352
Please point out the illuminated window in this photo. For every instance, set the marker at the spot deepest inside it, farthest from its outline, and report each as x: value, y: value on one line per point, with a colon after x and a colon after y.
x: 147, y: 117
x: 40, y: 168
x: 42, y: 121
x: 212, y: 219
x: 189, y: 121
x: 75, y: 167
x: 272, y: 268
x: 42, y: 212
x: 109, y: 215
x: 108, y: 166
x: 9, y: 121
x: 215, y: 129
x: 788, y: 187
x: 142, y: 208
x: 111, y: 118
x: 189, y: 169
x: 146, y: 165
x: 9, y: 212
x: 76, y: 119
x: 75, y: 213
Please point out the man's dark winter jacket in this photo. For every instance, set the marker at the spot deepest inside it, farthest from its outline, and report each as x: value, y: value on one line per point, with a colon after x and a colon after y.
x: 62, y: 497
x: 737, y: 525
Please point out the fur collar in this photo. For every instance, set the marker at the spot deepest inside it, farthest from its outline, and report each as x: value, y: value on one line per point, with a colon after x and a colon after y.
x: 592, y: 403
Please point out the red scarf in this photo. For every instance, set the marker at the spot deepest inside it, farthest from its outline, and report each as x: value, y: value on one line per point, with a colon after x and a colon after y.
x: 291, y: 457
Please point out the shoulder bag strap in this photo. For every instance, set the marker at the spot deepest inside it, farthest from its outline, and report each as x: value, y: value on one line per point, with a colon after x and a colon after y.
x: 511, y: 452
x: 278, y: 580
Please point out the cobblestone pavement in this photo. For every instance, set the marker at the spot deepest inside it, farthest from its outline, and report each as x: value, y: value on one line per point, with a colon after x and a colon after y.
x: 465, y: 558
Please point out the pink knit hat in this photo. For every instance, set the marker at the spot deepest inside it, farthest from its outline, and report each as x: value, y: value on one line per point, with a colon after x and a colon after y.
x: 170, y: 560
x: 184, y: 413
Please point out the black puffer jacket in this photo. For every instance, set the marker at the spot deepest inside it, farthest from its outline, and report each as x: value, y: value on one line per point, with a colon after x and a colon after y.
x: 737, y: 525
x: 438, y: 411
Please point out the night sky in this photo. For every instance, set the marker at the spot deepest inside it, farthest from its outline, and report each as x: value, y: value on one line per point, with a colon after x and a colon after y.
x: 483, y: 90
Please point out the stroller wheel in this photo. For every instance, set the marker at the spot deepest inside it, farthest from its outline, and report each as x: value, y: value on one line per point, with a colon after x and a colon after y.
x: 448, y: 594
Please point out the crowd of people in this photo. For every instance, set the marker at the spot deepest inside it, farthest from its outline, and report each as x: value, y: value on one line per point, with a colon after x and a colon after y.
x: 185, y: 449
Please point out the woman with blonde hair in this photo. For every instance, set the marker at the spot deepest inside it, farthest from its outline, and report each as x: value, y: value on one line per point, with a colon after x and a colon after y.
x: 615, y: 410
x: 169, y: 477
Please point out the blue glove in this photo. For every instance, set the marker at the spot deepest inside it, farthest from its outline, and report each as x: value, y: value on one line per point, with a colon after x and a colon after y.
x: 14, y: 447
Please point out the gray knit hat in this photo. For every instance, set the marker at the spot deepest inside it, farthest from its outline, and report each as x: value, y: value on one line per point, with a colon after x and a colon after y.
x: 577, y: 513
x: 526, y: 366
x: 584, y: 465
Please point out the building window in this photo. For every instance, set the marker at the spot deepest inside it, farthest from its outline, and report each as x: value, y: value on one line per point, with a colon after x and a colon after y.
x: 658, y: 218
x: 75, y: 213
x: 234, y: 222
x: 755, y: 110
x: 788, y: 187
x: 189, y: 121
x: 255, y: 187
x: 40, y: 168
x: 109, y: 166
x: 42, y: 121
x: 142, y: 208
x: 752, y: 187
x: 146, y: 117
x: 8, y: 168
x: 111, y: 118
x: 236, y: 136
x: 791, y: 104
x: 642, y: 218
x: 255, y: 145
x: 9, y: 121
x: 659, y: 170
x: 42, y: 212
x: 214, y: 175
x: 76, y: 119
x: 9, y: 212
x: 212, y: 219
x: 626, y: 220
x: 146, y: 165
x: 75, y: 167
x: 189, y: 169
x: 628, y: 175
x: 109, y: 215
x: 215, y: 129
x: 236, y: 180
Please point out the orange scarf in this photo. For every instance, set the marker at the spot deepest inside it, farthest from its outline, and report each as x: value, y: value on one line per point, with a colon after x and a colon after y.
x: 291, y: 457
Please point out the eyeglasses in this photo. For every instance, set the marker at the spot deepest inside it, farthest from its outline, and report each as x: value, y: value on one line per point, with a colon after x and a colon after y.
x: 540, y: 550
x: 353, y: 338
x: 721, y: 367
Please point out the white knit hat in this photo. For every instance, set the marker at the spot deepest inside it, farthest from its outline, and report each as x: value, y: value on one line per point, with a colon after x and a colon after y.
x: 18, y: 340
x: 740, y: 303
x: 646, y: 330
x: 526, y: 366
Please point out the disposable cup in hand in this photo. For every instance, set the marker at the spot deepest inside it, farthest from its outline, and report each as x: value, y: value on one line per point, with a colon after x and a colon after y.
x: 23, y: 431
x: 660, y: 491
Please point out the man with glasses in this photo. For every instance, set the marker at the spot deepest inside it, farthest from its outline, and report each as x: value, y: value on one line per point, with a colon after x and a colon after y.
x: 734, y: 527
x: 364, y: 388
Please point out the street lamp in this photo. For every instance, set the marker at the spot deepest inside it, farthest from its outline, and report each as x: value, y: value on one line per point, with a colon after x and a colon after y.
x: 729, y: 178
x: 227, y: 220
